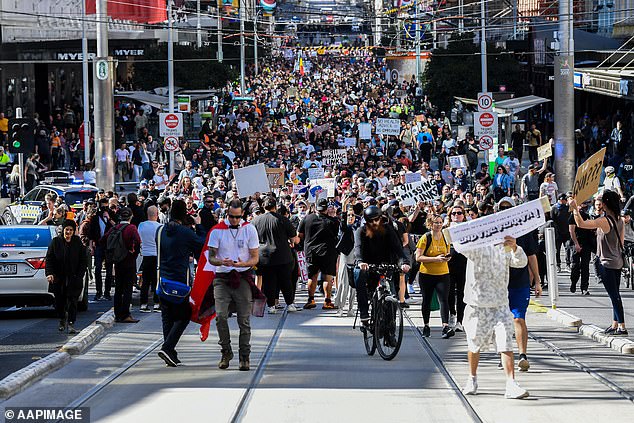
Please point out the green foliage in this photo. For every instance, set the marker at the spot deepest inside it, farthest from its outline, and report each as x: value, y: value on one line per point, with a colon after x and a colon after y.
x: 194, y: 69
x: 456, y: 72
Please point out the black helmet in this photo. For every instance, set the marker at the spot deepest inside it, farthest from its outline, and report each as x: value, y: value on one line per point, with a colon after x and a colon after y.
x: 371, y: 213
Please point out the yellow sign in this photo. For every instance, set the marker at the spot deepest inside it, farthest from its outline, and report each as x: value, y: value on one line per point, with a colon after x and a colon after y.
x: 588, y: 177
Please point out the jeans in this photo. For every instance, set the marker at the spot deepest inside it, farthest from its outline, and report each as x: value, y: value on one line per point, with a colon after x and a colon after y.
x: 277, y: 278
x: 580, y: 268
x: 243, y: 298
x: 611, y: 280
x: 125, y: 275
x: 175, y: 319
x: 148, y: 269
x: 100, y: 260
x: 440, y: 283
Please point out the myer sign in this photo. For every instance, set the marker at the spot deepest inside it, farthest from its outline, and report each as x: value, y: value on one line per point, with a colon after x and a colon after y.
x: 67, y: 56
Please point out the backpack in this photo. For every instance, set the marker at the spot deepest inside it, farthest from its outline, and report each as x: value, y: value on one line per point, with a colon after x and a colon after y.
x: 428, y: 241
x: 116, y: 250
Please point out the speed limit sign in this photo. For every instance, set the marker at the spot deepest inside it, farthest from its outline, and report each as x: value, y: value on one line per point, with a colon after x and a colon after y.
x: 171, y: 144
x: 485, y: 102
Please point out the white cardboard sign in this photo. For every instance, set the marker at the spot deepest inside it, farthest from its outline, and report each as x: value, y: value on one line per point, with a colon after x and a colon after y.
x: 410, y: 194
x: 385, y: 126
x: 456, y: 162
x: 315, y: 173
x: 334, y: 157
x: 327, y: 184
x: 365, y: 131
x: 251, y: 179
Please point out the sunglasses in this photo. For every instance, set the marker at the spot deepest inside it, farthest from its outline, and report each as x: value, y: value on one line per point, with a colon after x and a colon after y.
x: 231, y: 216
x: 457, y: 213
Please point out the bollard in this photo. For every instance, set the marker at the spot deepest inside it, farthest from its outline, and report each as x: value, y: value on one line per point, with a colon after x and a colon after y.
x: 551, y: 266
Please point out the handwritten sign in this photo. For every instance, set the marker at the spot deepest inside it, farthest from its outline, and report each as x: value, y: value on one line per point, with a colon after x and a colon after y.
x: 544, y: 152
x: 456, y: 162
x: 385, y: 126
x: 251, y: 179
x: 327, y: 184
x: 412, y: 177
x: 334, y: 157
x: 299, y: 189
x: 275, y: 177
x: 293, y: 117
x: 348, y: 142
x: 410, y: 194
x: 588, y: 177
x: 315, y: 173
x: 365, y: 131
x: 492, y: 229
x: 319, y: 129
x: 420, y: 118
x: 303, y: 268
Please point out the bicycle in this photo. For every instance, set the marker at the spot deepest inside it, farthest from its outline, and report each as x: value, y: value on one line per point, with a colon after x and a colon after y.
x: 384, y: 331
x: 628, y: 268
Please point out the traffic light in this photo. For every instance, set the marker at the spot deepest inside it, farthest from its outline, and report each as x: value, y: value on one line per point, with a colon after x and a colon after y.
x: 22, y: 135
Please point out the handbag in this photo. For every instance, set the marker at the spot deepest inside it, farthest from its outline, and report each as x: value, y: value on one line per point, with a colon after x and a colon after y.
x: 169, y: 290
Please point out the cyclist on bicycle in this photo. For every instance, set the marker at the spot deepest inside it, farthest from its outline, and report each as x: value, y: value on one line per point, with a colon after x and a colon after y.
x: 375, y: 242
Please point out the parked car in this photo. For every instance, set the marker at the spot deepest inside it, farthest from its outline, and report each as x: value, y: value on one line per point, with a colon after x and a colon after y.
x: 22, y: 267
x: 26, y: 210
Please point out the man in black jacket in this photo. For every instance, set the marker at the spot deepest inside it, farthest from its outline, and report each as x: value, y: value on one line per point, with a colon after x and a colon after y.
x: 561, y: 215
x: 99, y: 225
x: 375, y: 242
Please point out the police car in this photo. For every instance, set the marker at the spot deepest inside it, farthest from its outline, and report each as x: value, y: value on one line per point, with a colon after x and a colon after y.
x: 26, y: 210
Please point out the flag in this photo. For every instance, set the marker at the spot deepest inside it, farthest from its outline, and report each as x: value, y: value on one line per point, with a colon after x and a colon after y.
x: 301, y: 66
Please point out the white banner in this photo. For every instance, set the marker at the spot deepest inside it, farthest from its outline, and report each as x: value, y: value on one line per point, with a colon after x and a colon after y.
x: 365, y: 131
x: 387, y: 126
x: 327, y: 184
x: 410, y: 194
x: 251, y: 179
x: 492, y: 229
x: 334, y: 157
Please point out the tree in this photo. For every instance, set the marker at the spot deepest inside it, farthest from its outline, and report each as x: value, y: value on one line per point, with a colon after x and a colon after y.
x: 456, y: 72
x: 194, y: 69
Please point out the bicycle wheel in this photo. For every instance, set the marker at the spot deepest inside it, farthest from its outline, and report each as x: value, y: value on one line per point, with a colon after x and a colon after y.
x: 630, y: 276
x: 388, y: 328
x: 368, y: 336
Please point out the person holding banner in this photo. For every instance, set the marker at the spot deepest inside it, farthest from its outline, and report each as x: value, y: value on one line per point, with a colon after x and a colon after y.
x: 433, y: 254
x: 610, y: 234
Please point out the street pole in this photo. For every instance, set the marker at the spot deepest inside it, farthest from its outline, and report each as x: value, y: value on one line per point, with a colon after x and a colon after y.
x: 199, y: 35
x: 18, y: 115
x: 255, y: 40
x: 84, y: 68
x: 219, y: 37
x: 417, y: 20
x: 490, y: 153
x: 242, y: 58
x: 104, y: 103
x: 564, y: 99
x: 461, y: 14
x: 170, y: 70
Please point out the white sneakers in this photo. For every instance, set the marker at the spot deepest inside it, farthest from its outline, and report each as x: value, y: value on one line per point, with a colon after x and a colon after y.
x: 514, y: 390
x: 458, y: 327
x: 523, y: 365
x: 271, y: 310
x: 452, y: 320
x: 291, y: 308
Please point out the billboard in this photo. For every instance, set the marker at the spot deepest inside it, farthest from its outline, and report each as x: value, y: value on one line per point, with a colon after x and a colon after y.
x: 142, y: 11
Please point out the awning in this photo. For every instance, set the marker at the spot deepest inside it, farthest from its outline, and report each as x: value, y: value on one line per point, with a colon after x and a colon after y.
x: 161, y: 101
x: 511, y: 106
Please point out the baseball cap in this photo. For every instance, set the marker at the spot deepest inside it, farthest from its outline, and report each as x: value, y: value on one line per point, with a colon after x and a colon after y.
x: 508, y: 200
x: 125, y: 213
x: 322, y: 204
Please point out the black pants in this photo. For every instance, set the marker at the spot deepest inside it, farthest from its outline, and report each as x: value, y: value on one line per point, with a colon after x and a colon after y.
x: 440, y: 283
x: 125, y: 276
x: 175, y: 319
x: 365, y: 283
x: 148, y: 268
x: 532, y: 154
x: 100, y: 260
x: 457, y: 276
x: 580, y: 268
x: 65, y: 305
x: 277, y: 278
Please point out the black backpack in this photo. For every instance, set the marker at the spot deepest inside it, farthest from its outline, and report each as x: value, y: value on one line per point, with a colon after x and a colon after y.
x: 116, y: 250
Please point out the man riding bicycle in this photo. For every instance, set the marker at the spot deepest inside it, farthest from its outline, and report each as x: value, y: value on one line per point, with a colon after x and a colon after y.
x: 375, y: 242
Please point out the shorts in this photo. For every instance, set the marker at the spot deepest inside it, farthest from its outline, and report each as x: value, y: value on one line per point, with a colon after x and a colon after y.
x: 483, y: 325
x: 327, y: 265
x: 519, y: 298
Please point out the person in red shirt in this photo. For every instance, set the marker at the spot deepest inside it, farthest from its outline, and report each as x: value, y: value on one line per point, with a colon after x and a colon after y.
x: 405, y: 161
x: 125, y: 270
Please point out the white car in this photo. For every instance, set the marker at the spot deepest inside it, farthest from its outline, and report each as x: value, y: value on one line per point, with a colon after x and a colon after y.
x: 22, y: 267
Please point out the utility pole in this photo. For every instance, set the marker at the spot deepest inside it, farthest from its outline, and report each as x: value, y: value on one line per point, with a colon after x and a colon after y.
x: 483, y: 46
x: 199, y: 35
x: 564, y: 99
x: 255, y: 39
x: 18, y: 115
x: 104, y: 103
x: 417, y: 20
x: 242, y: 58
x: 461, y: 14
x: 219, y: 37
x: 84, y: 68
x: 170, y: 70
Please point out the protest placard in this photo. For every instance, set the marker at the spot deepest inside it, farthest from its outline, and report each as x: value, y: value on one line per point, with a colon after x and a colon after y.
x: 365, y: 131
x: 588, y: 177
x: 334, y: 157
x: 462, y: 132
x: 326, y: 183
x: 315, y: 173
x: 400, y: 93
x: 275, y: 176
x: 412, y: 177
x: 544, y: 152
x: 293, y: 117
x: 251, y: 179
x: 299, y: 188
x: 303, y: 268
x: 321, y: 128
x: 283, y: 122
x: 291, y: 91
x: 387, y: 126
x: 412, y: 193
x: 315, y: 192
x: 420, y: 118
x: 456, y: 162
x: 491, y: 229
x: 349, y: 142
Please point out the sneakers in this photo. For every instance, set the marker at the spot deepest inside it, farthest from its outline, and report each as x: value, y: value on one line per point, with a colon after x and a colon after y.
x: 71, y: 329
x: 271, y: 310
x: 426, y: 331
x: 559, y: 268
x: 471, y: 387
x: 167, y: 359
x: 225, y: 359
x: 411, y: 300
x: 523, y: 365
x: 329, y: 305
x: 447, y: 332
x: 310, y: 304
x: 244, y: 364
x: 620, y: 332
x: 573, y: 288
x: 500, y: 365
x: 458, y: 327
x: 514, y: 390
x: 452, y: 320
x: 107, y: 297
x: 291, y: 308
x: 157, y: 308
x: 62, y: 325
x: 609, y: 330
x: 144, y: 309
x: 403, y: 305
x: 97, y: 297
x: 586, y: 292
x: 350, y: 312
